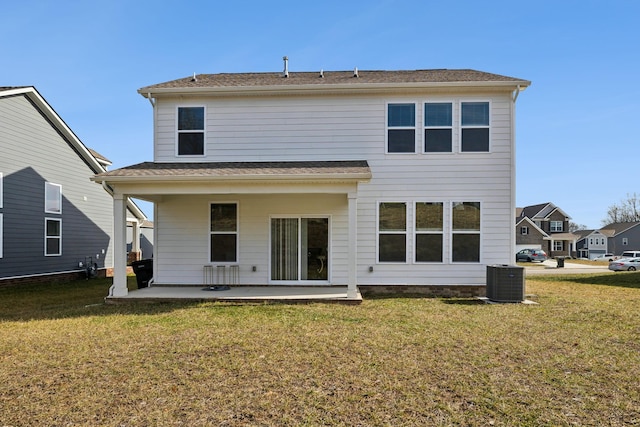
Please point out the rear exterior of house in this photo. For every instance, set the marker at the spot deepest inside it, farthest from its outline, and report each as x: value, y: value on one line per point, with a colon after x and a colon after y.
x: 370, y: 179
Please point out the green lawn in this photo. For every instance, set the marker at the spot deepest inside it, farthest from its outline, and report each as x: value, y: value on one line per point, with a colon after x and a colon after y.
x: 66, y: 359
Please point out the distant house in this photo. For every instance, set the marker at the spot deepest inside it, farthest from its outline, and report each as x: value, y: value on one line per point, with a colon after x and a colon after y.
x: 377, y: 179
x: 545, y: 226
x: 613, y: 238
x: 53, y: 219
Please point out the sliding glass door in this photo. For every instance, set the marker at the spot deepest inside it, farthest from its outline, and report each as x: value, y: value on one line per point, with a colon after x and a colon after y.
x: 299, y: 249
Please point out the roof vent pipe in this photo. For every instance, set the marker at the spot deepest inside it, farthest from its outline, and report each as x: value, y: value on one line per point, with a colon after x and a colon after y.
x: 285, y: 73
x: 355, y: 72
x: 193, y: 79
x: 321, y: 73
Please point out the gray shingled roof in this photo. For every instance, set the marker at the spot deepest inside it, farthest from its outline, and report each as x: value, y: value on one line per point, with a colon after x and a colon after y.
x: 224, y: 80
x: 240, y: 170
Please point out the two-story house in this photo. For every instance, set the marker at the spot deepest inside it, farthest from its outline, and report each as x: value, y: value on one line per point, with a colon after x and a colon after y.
x: 545, y: 226
x: 353, y: 178
x: 53, y: 220
x: 613, y: 238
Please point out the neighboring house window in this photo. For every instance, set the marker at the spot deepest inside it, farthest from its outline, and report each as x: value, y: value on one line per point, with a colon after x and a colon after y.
x: 52, y: 198
x: 1, y: 228
x: 465, y: 231
x: 428, y: 231
x: 401, y: 128
x: 392, y: 232
x: 191, y: 131
x: 558, y: 245
x: 625, y: 241
x: 1, y: 186
x: 52, y: 236
x: 524, y: 230
x: 556, y: 226
x: 591, y: 241
x: 474, y: 123
x: 438, y: 127
x: 224, y: 232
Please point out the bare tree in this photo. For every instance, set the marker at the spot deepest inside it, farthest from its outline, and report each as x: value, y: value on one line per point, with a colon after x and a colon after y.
x: 573, y: 227
x: 626, y: 211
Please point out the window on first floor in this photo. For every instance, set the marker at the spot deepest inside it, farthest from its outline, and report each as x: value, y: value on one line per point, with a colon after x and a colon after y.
x: 465, y: 232
x: 558, y: 245
x: 556, y: 226
x: 429, y: 231
x: 52, y: 237
x: 524, y: 230
x: 392, y: 232
x: 401, y: 128
x: 223, y: 232
x: 191, y: 123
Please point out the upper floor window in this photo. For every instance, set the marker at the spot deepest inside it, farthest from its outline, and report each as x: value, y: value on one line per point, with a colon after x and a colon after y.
x: 524, y: 230
x: 438, y: 127
x: 52, y: 198
x: 556, y: 226
x: 392, y: 232
x: 625, y: 241
x: 401, y: 128
x: 474, y: 122
x: 190, y: 131
x: 465, y: 229
x: 223, y: 232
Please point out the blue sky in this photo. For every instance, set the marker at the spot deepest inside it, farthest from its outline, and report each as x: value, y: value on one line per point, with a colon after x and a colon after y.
x: 575, y: 139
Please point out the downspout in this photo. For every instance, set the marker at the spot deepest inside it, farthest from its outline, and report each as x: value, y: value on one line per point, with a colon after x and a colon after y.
x: 514, y: 97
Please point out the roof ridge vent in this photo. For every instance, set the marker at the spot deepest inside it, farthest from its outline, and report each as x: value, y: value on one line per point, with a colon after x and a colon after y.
x: 285, y: 73
x: 355, y: 72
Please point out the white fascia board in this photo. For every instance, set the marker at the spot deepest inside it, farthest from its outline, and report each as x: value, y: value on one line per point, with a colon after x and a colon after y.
x: 324, y: 88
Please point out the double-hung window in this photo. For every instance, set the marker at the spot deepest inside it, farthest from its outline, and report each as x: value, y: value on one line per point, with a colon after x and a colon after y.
x: 401, y: 128
x: 474, y: 126
x: 223, y: 232
x: 392, y: 232
x: 191, y: 131
x: 556, y: 226
x: 558, y: 245
x: 524, y: 230
x: 428, y: 231
x: 52, y: 237
x: 465, y: 232
x: 438, y: 127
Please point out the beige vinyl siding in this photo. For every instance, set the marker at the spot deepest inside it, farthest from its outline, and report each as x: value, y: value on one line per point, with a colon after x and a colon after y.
x: 354, y: 128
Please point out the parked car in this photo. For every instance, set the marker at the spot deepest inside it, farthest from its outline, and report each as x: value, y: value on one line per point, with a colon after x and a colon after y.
x: 605, y: 257
x: 530, y: 255
x: 630, y: 254
x: 626, y: 264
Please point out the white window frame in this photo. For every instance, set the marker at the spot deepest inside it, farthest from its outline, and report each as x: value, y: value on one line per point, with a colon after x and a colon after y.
x: 625, y: 241
x: 454, y: 121
x: 558, y: 245
x: 236, y: 233
x: 524, y: 230
x: 203, y: 131
x: 416, y: 232
x: 417, y: 116
x: 59, y: 220
x: 48, y: 188
x: 461, y: 127
x: 453, y: 232
x: 405, y: 232
x: 553, y: 226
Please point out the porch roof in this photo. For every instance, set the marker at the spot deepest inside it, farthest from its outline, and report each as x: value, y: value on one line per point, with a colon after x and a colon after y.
x: 348, y: 170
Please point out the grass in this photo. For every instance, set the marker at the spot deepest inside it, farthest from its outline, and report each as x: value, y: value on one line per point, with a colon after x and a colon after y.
x: 67, y: 359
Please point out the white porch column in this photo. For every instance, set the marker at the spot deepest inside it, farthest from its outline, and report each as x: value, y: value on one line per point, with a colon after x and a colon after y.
x: 352, y: 258
x: 119, y: 288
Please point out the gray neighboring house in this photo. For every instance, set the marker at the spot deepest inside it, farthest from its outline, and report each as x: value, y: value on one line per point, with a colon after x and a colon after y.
x: 53, y: 218
x: 623, y: 236
x: 545, y: 226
